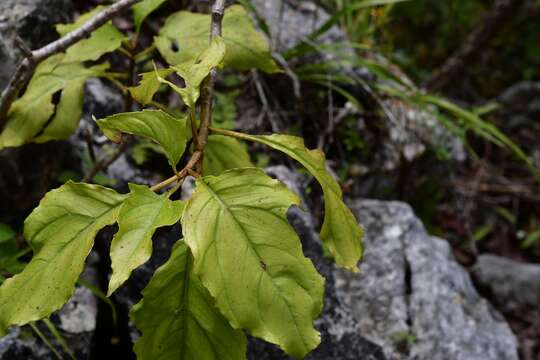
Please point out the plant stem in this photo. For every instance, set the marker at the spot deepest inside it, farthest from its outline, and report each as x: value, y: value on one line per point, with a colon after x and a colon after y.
x: 181, y: 174
x: 207, y: 90
x: 194, y: 165
x: 27, y: 66
x: 230, y: 133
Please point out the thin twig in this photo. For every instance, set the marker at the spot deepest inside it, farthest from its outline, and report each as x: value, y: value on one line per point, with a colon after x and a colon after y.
x: 27, y: 66
x: 132, y: 76
x: 194, y: 165
x: 105, y: 163
x: 290, y: 73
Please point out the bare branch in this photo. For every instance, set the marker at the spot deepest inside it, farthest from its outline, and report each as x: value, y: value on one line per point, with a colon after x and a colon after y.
x: 27, y: 66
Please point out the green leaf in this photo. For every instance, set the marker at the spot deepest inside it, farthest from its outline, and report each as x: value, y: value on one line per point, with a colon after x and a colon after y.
x: 250, y: 258
x: 61, y: 232
x: 67, y: 115
x: 178, y: 318
x: 148, y: 86
x: 225, y: 112
x: 35, y: 117
x: 223, y: 153
x: 106, y: 38
x: 184, y: 35
x: 141, y: 151
x: 142, y: 213
x: 6, y: 233
x: 169, y: 132
x: 340, y: 232
x: 195, y: 71
x: 531, y: 239
x: 9, y: 256
x: 143, y: 9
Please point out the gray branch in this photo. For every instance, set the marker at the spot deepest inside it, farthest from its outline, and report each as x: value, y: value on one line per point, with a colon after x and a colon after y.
x: 27, y: 66
x: 217, y: 18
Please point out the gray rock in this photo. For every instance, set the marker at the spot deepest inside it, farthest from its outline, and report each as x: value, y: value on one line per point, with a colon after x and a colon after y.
x: 413, y: 298
x: 411, y: 130
x: 22, y: 343
x: 33, y: 21
x: 291, y: 22
x: 514, y: 285
x: 101, y: 99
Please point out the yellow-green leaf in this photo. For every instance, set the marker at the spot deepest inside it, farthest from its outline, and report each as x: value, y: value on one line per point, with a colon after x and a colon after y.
x: 340, y: 232
x: 195, y: 71
x: 250, y: 259
x: 169, y: 132
x: 223, y: 153
x: 143, y: 9
x: 178, y: 318
x: 106, y: 38
x: 148, y: 85
x: 184, y: 35
x: 142, y: 213
x: 61, y: 233
x: 68, y: 113
x: 29, y: 118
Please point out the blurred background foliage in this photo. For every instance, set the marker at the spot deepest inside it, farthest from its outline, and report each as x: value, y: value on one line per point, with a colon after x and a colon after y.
x: 405, y: 43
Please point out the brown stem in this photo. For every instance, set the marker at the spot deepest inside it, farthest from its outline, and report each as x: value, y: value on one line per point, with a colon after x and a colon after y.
x: 27, y: 66
x: 194, y: 164
x: 128, y: 99
x: 207, y: 90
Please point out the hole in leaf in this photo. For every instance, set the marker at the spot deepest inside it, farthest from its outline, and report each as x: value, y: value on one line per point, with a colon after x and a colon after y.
x: 174, y: 46
x: 55, y: 100
x: 176, y: 79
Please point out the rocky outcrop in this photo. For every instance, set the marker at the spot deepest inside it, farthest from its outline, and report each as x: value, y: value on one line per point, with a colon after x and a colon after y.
x: 513, y: 285
x: 291, y: 22
x: 413, y: 298
x: 32, y: 21
x: 514, y: 288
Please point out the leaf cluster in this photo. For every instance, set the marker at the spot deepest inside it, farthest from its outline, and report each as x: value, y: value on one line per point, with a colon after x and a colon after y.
x: 239, y: 266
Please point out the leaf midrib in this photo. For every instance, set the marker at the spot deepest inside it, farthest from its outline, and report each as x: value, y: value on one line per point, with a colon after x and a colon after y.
x: 247, y: 239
